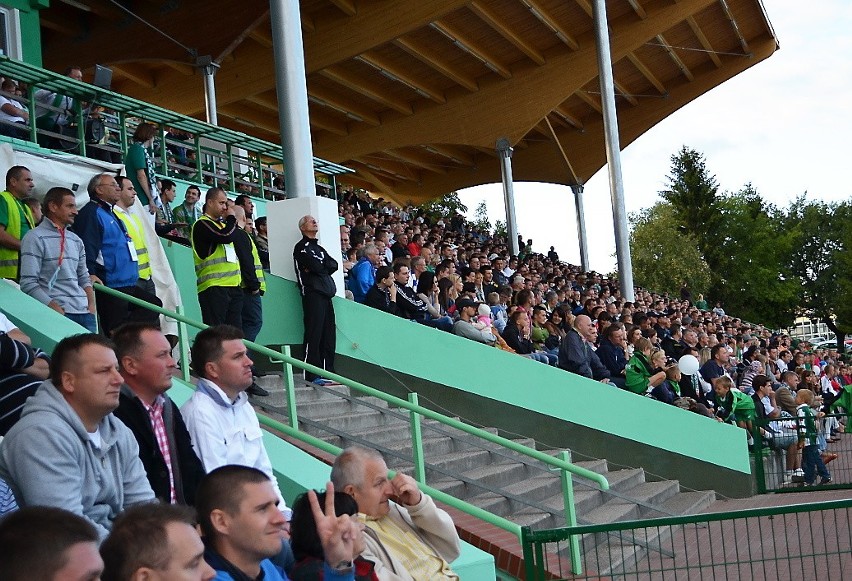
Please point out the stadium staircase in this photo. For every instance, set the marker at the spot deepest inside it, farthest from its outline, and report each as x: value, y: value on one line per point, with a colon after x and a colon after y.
x: 500, y: 481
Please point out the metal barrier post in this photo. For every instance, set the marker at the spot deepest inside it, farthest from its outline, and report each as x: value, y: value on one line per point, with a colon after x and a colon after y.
x: 571, y: 514
x: 122, y: 130
x: 417, y: 442
x: 290, y: 386
x: 31, y: 108
x: 529, y: 559
x: 232, y: 182
x: 164, y: 152
x: 183, y: 343
x: 81, y: 127
x: 759, y: 472
x: 198, y: 165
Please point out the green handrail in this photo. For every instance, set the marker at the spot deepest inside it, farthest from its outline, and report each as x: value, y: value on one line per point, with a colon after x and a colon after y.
x: 293, y: 431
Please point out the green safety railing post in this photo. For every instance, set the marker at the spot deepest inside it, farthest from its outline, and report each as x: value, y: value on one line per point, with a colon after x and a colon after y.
x: 122, y: 130
x: 198, y: 165
x: 571, y: 514
x: 183, y: 343
x: 164, y: 151
x: 229, y: 152
x: 759, y: 472
x: 417, y: 441
x: 529, y: 559
x: 290, y: 386
x: 31, y: 123
x: 260, y: 176
x: 81, y: 127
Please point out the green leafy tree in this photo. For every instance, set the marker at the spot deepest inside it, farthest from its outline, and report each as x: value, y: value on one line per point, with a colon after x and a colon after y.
x: 480, y: 218
x: 500, y: 230
x: 664, y: 256
x: 444, y: 207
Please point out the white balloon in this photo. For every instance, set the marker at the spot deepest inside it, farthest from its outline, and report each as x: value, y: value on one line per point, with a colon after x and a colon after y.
x: 688, y: 364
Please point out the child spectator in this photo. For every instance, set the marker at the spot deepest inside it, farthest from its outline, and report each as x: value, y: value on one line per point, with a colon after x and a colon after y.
x: 733, y: 405
x: 483, y: 317
x: 811, y: 460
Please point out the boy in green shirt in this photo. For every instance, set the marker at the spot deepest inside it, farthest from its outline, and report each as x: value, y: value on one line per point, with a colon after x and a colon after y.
x: 732, y: 404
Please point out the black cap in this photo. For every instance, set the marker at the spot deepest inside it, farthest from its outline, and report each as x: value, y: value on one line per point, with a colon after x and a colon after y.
x: 462, y: 303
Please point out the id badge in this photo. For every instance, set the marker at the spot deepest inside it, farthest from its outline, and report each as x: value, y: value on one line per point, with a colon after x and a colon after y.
x: 133, y: 256
x: 230, y: 253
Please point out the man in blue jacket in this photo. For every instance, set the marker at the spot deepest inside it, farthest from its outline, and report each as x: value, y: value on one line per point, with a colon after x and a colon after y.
x: 111, y: 256
x: 362, y: 276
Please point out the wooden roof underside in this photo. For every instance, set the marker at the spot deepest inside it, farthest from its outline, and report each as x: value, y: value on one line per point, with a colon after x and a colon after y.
x: 413, y: 95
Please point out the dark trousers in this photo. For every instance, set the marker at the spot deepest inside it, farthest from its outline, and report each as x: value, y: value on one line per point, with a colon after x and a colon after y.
x: 252, y: 314
x: 320, y: 332
x: 222, y: 305
x: 114, y: 311
x: 811, y: 463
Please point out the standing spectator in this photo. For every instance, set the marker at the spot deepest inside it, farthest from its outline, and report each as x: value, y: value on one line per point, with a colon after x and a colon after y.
x: 55, y: 113
x: 314, y: 267
x: 136, y: 231
x: 111, y: 256
x: 187, y: 213
x: 811, y: 460
x: 139, y: 166
x: 68, y: 450
x: 16, y: 219
x: 53, y: 262
x: 165, y: 448
x: 217, y: 268
x: 166, y: 223
x: 43, y: 542
x: 261, y: 240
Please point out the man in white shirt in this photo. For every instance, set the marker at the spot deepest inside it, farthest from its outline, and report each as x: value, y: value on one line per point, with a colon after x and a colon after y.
x: 221, y: 422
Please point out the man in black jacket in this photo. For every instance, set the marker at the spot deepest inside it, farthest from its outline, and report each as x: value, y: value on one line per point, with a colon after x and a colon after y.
x: 314, y: 267
x: 382, y: 295
x: 165, y: 447
x: 576, y: 354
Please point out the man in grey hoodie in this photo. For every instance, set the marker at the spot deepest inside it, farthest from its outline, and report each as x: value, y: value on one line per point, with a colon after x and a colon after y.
x: 68, y: 450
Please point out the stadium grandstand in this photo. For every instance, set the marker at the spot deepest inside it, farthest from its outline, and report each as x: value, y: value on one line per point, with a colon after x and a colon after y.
x: 567, y: 430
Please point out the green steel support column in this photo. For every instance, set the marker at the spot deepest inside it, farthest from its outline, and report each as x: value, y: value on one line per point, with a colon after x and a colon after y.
x: 229, y: 151
x: 81, y: 126
x: 759, y: 472
x: 183, y: 343
x: 198, y: 164
x: 571, y: 515
x: 122, y: 130
x: 334, y: 186
x: 31, y: 123
x: 290, y: 386
x: 529, y: 560
x: 260, y: 177
x: 417, y: 442
x: 164, y: 152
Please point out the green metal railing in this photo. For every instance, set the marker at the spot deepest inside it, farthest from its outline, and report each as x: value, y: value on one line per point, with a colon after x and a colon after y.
x: 220, y: 156
x: 776, y: 455
x: 416, y: 412
x: 802, y: 541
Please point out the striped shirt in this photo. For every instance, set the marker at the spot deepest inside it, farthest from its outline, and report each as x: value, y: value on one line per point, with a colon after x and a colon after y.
x: 53, y: 267
x: 15, y: 385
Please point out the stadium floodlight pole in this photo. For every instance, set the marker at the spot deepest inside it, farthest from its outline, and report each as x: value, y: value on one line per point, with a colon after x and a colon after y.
x: 292, y: 91
x: 505, y: 151
x: 613, y: 151
x: 208, y: 69
x: 581, y: 227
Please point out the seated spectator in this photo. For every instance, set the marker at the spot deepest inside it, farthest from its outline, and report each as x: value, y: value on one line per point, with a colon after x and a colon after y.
x: 517, y: 337
x: 7, y: 499
x: 413, y: 308
x: 669, y: 390
x: 611, y: 352
x: 146, y: 364
x: 22, y: 369
x: 465, y: 326
x: 53, y: 262
x: 382, y: 295
x: 499, y: 312
x: 47, y: 543
x: 448, y: 292
x: 14, y: 117
x: 717, y: 366
x: 427, y: 291
x: 640, y: 376
x: 540, y: 336
x: 94, y: 467
x: 576, y: 353
x: 411, y: 540
x: 243, y: 527
x: 362, y: 276
x: 307, y: 546
x: 155, y: 541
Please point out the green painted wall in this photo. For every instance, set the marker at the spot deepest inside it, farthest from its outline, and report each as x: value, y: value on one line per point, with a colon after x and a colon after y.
x: 30, y: 27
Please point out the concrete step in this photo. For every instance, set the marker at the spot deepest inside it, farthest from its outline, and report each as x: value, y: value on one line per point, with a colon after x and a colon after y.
x: 625, y: 479
x: 337, y: 405
x: 689, y: 502
x: 354, y: 421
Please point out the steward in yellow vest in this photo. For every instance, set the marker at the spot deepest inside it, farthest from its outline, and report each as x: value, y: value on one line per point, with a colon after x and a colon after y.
x: 16, y: 219
x: 217, y: 267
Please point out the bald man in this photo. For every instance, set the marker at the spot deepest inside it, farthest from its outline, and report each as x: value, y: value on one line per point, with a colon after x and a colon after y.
x: 577, y: 353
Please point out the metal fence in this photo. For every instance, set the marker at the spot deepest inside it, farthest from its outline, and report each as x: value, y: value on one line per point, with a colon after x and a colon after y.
x: 803, y: 541
x: 778, y: 460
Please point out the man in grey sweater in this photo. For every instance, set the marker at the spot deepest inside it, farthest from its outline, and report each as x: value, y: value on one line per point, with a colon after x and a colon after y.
x: 53, y: 262
x: 68, y: 450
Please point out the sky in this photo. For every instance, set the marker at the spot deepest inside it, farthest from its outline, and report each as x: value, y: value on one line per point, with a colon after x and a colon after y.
x: 783, y: 125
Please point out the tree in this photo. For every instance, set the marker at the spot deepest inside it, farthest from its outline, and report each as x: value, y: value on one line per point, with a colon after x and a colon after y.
x: 692, y: 192
x: 663, y: 255
x: 445, y: 207
x: 480, y: 218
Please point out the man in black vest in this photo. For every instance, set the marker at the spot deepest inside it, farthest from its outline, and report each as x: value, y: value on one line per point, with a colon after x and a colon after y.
x: 165, y: 447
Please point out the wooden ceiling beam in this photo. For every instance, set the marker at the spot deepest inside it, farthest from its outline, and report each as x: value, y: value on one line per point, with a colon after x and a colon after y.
x: 566, y: 115
x: 60, y: 27
x: 185, y: 69
x: 586, y: 6
x: 637, y: 8
x: 646, y: 72
x: 373, y: 167
x: 250, y: 118
x: 498, y: 23
x: 325, y: 97
x: 454, y: 154
x: 413, y: 159
x: 472, y: 47
x: 366, y: 88
x: 396, y: 73
x: 135, y: 72
x: 334, y: 126
x: 261, y: 37
x: 346, y: 6
x: 676, y: 59
x: 589, y: 100
x: 625, y: 94
x: 434, y: 59
x: 392, y: 166
x: 705, y: 42
x: 549, y: 21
